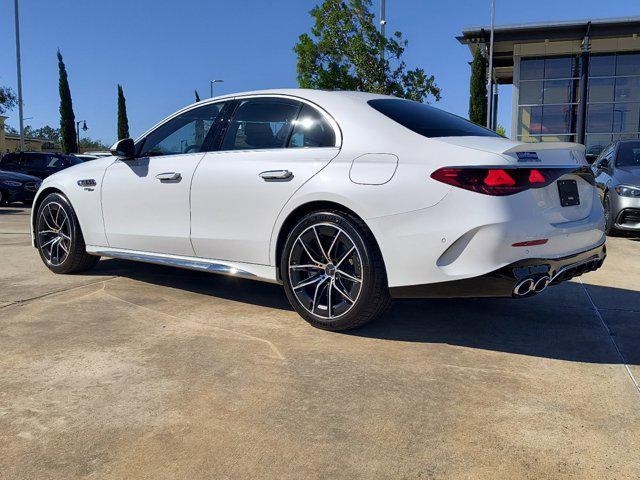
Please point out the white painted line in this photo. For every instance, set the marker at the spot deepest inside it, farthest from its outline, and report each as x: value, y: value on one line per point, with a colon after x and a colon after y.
x: 605, y: 325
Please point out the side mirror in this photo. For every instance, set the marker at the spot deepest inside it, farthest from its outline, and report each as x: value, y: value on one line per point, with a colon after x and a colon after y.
x: 124, y: 148
x: 591, y: 157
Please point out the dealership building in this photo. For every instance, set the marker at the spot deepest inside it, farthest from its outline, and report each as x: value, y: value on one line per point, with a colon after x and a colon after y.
x: 572, y: 81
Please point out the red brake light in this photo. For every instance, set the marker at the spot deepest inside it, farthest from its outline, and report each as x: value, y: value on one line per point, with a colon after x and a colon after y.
x: 498, y: 178
x: 498, y: 181
x: 536, y: 177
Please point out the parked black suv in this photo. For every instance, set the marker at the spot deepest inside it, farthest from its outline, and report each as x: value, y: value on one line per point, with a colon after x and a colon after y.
x: 37, y: 164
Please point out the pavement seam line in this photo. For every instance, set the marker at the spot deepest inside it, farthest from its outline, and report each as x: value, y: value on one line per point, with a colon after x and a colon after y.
x: 270, y: 344
x: 607, y: 328
x: 27, y: 300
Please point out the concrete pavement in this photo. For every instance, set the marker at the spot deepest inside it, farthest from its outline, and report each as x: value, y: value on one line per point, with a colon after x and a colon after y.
x: 137, y: 371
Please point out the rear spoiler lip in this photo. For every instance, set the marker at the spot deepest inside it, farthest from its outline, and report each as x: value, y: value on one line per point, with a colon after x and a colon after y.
x: 534, y: 147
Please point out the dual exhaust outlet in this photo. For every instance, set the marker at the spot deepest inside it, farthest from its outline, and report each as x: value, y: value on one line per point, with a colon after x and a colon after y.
x: 531, y: 285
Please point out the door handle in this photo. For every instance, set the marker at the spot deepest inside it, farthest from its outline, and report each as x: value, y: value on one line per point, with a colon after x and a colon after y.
x: 276, y: 175
x: 169, y: 176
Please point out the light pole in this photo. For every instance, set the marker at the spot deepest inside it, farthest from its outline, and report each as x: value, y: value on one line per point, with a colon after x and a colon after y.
x: 212, y: 82
x: 84, y: 129
x: 383, y: 23
x: 490, y: 82
x: 19, y: 75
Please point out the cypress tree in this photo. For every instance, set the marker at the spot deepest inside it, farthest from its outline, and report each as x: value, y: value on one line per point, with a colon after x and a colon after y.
x: 69, y: 140
x: 478, y: 88
x: 123, y: 121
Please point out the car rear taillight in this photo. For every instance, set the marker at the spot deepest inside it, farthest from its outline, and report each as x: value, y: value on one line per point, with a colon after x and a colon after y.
x: 498, y: 181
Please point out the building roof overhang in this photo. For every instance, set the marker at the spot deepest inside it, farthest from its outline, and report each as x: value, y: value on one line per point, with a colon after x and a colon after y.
x: 507, y: 36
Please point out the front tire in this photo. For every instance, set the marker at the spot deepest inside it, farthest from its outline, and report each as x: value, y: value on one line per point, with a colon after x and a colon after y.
x: 333, y: 272
x: 59, y: 238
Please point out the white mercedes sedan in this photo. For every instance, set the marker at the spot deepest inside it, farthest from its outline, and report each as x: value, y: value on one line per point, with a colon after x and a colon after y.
x: 347, y: 199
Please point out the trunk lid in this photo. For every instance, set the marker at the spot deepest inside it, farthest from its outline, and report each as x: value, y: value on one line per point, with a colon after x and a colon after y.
x: 542, y: 155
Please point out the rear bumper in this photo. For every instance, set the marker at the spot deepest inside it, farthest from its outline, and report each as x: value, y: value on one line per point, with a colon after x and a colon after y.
x: 502, y: 282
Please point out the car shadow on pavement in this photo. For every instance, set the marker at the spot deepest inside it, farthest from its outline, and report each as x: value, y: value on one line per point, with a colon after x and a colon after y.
x: 559, y: 324
x: 236, y: 289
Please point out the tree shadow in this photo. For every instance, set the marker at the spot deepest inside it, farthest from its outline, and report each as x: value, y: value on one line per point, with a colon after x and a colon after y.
x: 559, y: 324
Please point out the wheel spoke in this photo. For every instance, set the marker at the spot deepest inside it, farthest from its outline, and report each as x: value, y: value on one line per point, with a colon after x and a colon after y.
x: 345, y: 256
x: 350, y: 277
x: 64, y: 248
x: 308, y: 282
x: 324, y: 254
x: 347, y: 297
x: 329, y: 299
x: 335, y: 239
x: 65, y: 236
x: 64, y: 220
x: 49, y: 242
x: 57, y: 217
x: 307, y: 250
x: 305, y: 267
x: 44, y: 217
x: 315, y: 295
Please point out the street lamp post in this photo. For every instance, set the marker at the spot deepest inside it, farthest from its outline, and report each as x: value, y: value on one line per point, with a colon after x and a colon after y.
x: 19, y: 68
x: 84, y: 129
x: 490, y: 82
x: 212, y: 82
x: 383, y: 23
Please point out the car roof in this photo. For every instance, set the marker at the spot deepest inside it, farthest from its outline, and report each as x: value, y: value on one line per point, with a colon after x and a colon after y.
x: 312, y: 95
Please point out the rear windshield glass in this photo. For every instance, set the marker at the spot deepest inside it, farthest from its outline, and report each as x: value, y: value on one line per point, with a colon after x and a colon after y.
x: 629, y: 154
x: 428, y: 121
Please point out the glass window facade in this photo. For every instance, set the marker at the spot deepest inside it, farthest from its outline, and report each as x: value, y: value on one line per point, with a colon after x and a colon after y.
x: 548, y: 98
x: 613, y: 108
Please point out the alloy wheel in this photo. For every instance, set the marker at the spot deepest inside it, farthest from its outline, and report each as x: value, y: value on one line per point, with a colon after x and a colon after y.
x: 54, y: 233
x: 325, y: 271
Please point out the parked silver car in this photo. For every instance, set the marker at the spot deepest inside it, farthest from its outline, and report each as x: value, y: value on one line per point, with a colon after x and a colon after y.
x: 617, y: 172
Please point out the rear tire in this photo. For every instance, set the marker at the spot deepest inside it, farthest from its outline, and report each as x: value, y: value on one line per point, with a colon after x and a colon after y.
x: 333, y: 272
x: 609, y: 229
x: 59, y: 238
x: 3, y: 198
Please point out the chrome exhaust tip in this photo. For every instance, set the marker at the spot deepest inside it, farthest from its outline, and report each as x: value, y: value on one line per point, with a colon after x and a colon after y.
x: 524, y: 287
x: 541, y: 284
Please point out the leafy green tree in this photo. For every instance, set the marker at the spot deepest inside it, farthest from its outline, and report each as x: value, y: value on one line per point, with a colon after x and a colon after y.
x: 87, y: 143
x: 478, y: 88
x: 501, y: 130
x: 345, y: 51
x: 123, y: 121
x: 10, y: 130
x: 69, y: 141
x: 8, y: 99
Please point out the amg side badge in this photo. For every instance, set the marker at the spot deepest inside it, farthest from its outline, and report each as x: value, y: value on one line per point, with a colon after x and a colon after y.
x: 89, y: 182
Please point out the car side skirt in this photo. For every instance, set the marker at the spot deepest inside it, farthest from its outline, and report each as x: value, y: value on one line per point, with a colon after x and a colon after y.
x: 263, y: 273
x: 502, y: 282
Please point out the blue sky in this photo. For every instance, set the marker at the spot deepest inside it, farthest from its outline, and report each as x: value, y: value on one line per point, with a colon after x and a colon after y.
x: 160, y: 50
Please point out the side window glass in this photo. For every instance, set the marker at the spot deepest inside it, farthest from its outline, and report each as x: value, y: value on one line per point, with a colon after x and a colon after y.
x: 185, y: 133
x: 261, y: 123
x: 311, y: 130
x: 11, y: 159
x: 33, y: 161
